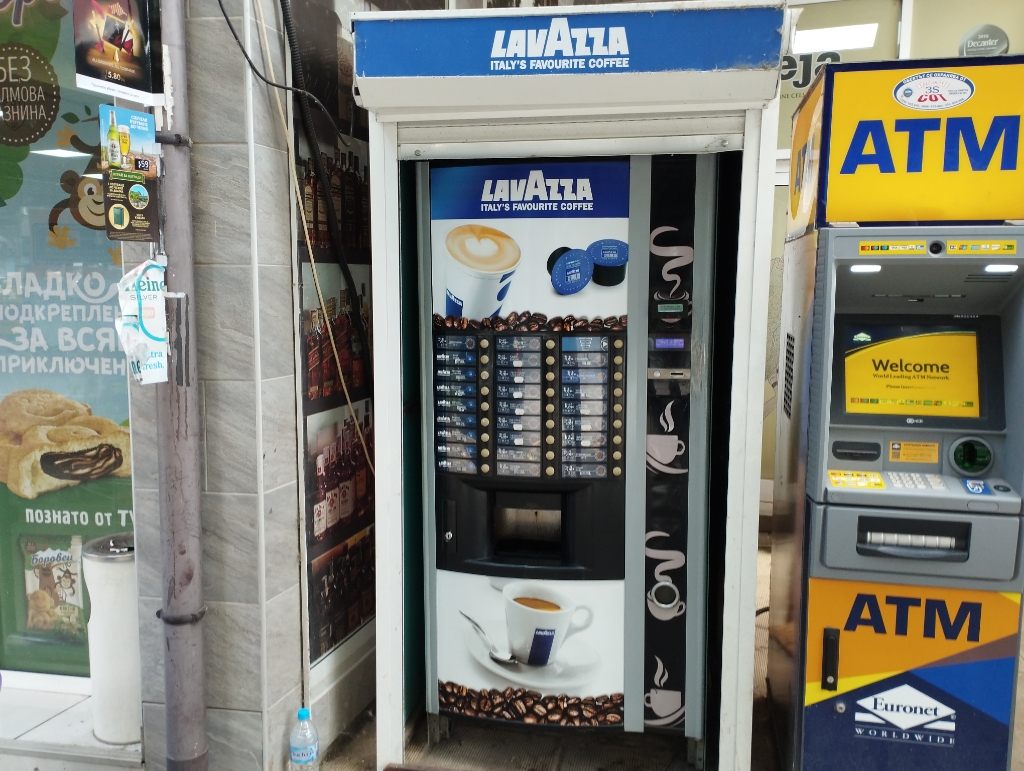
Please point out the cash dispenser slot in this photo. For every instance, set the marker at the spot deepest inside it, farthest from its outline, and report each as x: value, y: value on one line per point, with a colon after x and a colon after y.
x: 915, y: 539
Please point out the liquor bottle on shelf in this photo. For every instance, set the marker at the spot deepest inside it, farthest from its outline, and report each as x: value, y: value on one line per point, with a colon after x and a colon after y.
x: 349, y: 193
x: 352, y: 600
x: 364, y: 220
x: 358, y: 357
x: 366, y: 581
x: 361, y: 473
x: 364, y: 311
x: 323, y: 237
x: 331, y: 611
x: 313, y: 368
x: 357, y: 236
x: 336, y: 175
x: 342, y: 335
x: 320, y: 507
x: 326, y: 614
x: 347, y: 476
x: 328, y: 378
x: 340, y: 610
x: 309, y: 200
x: 333, y: 492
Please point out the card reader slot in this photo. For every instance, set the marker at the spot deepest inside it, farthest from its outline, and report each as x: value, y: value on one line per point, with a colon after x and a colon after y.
x: 864, y: 452
x: 916, y: 539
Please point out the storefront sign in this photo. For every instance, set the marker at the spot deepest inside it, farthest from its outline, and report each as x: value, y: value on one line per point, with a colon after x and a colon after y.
x: 117, y: 49
x: 658, y: 41
x: 65, y: 451
x: 130, y: 163
x: 935, y: 143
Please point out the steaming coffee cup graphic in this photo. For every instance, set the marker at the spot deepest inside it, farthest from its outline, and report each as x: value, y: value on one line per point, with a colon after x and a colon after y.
x: 664, y: 601
x: 539, y: 620
x: 663, y: 702
x: 481, y: 263
x: 662, y: 450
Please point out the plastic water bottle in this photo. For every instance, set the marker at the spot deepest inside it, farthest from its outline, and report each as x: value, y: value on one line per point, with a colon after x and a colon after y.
x: 304, y: 743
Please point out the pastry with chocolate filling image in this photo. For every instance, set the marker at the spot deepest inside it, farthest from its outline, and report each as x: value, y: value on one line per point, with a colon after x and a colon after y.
x: 49, y: 442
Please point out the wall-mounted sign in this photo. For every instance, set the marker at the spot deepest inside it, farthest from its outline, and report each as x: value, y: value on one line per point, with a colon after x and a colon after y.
x: 937, y: 142
x: 129, y: 158
x: 29, y: 94
x: 535, y: 44
x: 984, y: 40
x: 117, y: 49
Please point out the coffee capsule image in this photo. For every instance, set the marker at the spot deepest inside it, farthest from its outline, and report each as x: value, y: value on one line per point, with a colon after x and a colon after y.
x: 609, y: 257
x: 570, y: 269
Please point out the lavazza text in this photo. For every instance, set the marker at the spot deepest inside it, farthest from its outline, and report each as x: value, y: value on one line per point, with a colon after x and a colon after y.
x: 560, y: 47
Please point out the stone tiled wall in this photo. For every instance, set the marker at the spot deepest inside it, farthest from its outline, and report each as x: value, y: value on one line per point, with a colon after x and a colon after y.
x: 244, y: 306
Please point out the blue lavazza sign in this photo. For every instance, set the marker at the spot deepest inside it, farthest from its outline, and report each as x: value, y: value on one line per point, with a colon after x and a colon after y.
x: 508, y: 45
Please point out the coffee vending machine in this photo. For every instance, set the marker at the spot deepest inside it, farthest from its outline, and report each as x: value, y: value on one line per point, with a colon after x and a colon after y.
x: 897, y: 544
x: 565, y: 298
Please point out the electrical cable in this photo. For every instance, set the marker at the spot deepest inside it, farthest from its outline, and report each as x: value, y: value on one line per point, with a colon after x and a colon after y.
x: 292, y: 89
x: 309, y: 246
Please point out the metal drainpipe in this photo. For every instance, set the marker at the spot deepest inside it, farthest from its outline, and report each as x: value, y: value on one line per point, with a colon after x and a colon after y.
x: 178, y: 428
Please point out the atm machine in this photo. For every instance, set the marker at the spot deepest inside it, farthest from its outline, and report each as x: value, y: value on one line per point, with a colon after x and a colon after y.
x: 897, y: 546
x: 564, y: 237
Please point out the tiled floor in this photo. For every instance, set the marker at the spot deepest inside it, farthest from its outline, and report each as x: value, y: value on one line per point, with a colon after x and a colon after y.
x: 55, y: 723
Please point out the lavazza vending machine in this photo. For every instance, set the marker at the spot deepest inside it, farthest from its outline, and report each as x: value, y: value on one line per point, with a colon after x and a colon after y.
x: 897, y: 544
x: 566, y: 298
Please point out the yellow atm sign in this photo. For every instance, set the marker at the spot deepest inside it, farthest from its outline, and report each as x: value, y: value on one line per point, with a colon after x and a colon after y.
x: 936, y: 142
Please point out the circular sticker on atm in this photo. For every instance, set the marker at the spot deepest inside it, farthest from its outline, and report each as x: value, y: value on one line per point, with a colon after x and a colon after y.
x: 933, y: 91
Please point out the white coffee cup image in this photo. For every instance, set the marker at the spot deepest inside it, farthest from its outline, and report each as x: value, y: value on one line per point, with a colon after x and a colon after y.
x: 478, y: 271
x: 662, y: 450
x: 539, y: 619
x: 663, y: 702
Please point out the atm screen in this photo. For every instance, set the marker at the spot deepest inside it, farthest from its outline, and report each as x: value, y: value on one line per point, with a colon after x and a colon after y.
x: 912, y: 370
x: 943, y: 368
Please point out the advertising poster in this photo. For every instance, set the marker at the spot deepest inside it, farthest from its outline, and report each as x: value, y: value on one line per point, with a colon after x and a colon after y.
x: 543, y: 239
x: 131, y: 167
x: 65, y: 452
x: 530, y: 247
x: 925, y: 675
x: 670, y: 324
x: 117, y: 49
x: 338, y: 496
x: 534, y: 652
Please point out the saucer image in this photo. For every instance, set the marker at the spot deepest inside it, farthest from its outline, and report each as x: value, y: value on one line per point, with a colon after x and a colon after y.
x: 574, y: 665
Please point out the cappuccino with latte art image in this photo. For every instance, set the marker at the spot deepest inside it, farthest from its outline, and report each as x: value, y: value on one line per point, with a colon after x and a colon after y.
x: 481, y: 263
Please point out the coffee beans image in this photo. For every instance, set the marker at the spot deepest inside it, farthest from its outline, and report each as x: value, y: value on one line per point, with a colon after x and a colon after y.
x: 532, y: 322
x: 531, y: 707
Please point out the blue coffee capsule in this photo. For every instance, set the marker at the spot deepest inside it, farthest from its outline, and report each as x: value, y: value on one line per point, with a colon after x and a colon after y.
x: 609, y: 257
x: 570, y: 271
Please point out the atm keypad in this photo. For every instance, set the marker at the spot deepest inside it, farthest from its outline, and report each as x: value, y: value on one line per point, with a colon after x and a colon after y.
x: 914, y: 481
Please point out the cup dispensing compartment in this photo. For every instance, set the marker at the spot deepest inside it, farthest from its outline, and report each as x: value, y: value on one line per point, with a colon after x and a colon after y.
x: 529, y: 446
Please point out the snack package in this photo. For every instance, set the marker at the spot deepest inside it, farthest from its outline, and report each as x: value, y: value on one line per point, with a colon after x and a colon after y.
x: 53, y: 585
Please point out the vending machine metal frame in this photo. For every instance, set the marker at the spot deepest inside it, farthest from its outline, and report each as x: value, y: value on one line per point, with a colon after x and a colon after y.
x: 580, y: 115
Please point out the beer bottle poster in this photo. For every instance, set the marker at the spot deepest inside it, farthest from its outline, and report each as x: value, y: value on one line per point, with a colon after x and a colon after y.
x: 129, y: 157
x: 65, y: 452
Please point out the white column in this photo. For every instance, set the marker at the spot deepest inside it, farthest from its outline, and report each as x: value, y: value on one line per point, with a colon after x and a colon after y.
x: 387, y: 393
x: 752, y: 278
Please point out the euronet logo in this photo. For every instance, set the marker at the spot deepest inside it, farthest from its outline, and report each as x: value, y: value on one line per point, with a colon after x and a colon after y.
x: 560, y: 47
x: 904, y: 714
